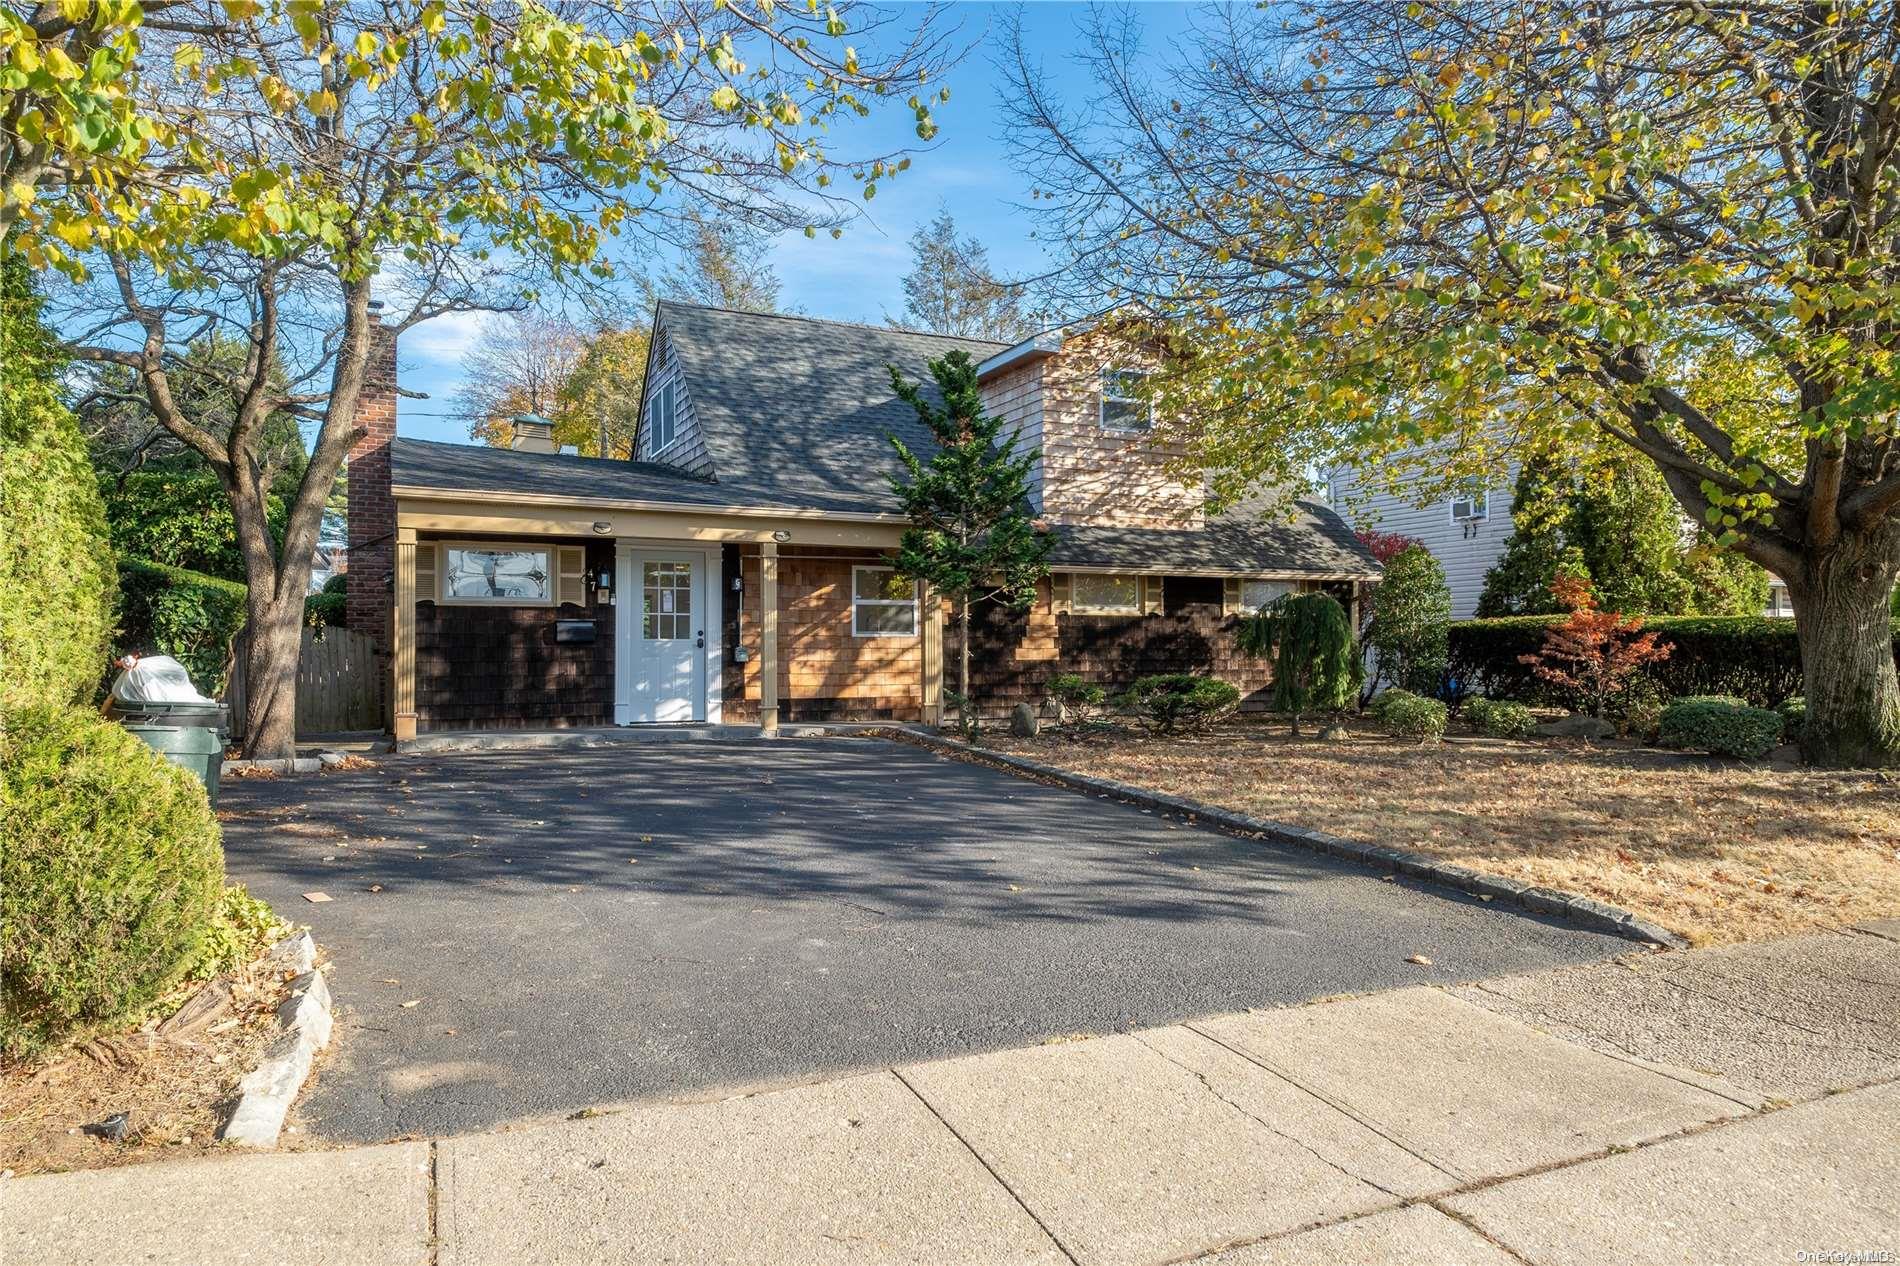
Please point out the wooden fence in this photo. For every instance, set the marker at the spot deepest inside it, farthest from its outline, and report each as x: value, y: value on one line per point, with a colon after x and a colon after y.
x: 339, y: 683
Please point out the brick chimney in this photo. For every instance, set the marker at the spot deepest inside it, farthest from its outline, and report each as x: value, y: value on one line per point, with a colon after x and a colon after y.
x: 372, y: 504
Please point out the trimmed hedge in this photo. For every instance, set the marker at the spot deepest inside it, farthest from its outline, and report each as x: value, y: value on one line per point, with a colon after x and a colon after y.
x: 1499, y: 718
x: 188, y: 615
x: 1181, y: 701
x: 321, y: 610
x: 1413, y: 717
x: 57, y: 589
x: 1723, y: 729
x: 110, y: 869
x: 1754, y: 658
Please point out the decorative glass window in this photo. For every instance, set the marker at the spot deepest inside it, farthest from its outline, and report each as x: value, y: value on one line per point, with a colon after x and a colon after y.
x: 1470, y: 506
x: 510, y: 575
x: 1258, y: 594
x: 1104, y: 594
x: 1125, y: 407
x: 883, y: 603
x: 663, y: 418
x: 666, y: 602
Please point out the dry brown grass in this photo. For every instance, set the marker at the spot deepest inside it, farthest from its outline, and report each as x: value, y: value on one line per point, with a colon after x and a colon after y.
x: 1714, y: 850
x: 177, y: 1090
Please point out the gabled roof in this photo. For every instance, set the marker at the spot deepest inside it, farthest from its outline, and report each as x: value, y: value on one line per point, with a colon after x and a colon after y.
x: 1314, y: 541
x: 800, y: 410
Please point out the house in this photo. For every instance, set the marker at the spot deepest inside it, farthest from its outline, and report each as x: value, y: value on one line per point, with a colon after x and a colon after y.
x: 737, y: 568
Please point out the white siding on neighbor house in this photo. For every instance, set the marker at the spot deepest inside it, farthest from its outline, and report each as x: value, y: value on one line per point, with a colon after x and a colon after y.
x: 1465, y: 550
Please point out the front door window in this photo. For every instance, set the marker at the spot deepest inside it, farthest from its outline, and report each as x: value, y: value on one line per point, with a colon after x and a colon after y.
x: 667, y: 614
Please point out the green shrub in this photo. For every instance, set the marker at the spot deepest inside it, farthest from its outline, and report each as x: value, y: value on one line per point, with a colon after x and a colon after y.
x: 1794, y: 716
x: 1413, y: 717
x: 57, y: 590
x: 1078, y: 701
x: 111, y: 866
x: 339, y: 583
x: 179, y: 515
x: 190, y: 616
x: 1499, y: 718
x: 1727, y: 701
x: 1723, y: 729
x: 1387, y: 699
x: 323, y: 610
x: 240, y: 929
x: 1181, y: 701
x: 1411, y: 609
x: 1755, y: 658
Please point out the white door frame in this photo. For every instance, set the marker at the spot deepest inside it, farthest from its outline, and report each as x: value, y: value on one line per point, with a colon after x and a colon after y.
x: 709, y: 594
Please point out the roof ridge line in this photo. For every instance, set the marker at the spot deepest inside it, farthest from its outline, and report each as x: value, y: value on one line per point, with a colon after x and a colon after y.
x: 818, y: 320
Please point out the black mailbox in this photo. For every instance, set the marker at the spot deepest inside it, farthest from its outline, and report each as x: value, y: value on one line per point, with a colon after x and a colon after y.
x: 576, y: 632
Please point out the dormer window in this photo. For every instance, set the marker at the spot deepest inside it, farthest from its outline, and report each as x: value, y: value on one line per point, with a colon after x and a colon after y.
x: 662, y: 418
x: 1125, y: 406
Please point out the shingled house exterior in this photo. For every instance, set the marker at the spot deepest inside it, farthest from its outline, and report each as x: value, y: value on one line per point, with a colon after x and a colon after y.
x: 737, y: 568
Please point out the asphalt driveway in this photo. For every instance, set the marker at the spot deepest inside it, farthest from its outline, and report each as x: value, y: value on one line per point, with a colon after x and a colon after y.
x: 664, y: 919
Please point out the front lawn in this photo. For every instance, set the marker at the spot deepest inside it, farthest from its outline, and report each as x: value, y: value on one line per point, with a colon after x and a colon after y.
x: 1716, y: 850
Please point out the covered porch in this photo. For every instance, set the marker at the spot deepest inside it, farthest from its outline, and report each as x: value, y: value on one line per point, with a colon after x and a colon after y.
x: 524, y: 612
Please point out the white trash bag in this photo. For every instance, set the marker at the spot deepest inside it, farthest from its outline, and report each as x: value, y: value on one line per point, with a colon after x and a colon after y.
x: 155, y: 679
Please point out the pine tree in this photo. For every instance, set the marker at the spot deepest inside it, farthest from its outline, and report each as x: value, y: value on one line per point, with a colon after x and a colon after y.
x: 971, y: 537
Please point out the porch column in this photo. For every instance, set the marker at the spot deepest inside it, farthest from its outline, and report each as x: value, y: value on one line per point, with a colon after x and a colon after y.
x: 403, y: 661
x: 933, y: 655
x: 768, y: 639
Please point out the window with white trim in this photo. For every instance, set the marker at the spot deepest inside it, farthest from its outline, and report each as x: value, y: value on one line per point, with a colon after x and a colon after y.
x: 883, y: 603
x: 499, y: 575
x: 1105, y: 594
x: 1470, y: 506
x: 662, y: 418
x: 1256, y: 595
x: 1125, y: 404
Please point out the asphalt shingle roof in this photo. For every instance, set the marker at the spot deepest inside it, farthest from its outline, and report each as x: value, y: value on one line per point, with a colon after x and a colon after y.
x: 797, y: 414
x: 1316, y: 541
x: 802, y: 410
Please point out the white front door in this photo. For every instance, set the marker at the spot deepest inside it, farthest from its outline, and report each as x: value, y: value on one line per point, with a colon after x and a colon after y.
x: 662, y: 669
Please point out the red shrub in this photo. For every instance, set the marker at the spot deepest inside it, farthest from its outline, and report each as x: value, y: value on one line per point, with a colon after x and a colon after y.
x: 1594, y: 654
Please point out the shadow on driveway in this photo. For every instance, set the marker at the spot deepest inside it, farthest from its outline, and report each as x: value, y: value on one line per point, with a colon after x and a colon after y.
x: 658, y: 920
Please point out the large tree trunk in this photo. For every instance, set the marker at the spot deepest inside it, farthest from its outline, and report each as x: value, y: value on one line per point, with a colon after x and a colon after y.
x: 274, y: 645
x: 1843, y: 618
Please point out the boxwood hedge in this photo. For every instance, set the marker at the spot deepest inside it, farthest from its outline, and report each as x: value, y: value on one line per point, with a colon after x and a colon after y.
x: 1754, y: 658
x: 1723, y: 729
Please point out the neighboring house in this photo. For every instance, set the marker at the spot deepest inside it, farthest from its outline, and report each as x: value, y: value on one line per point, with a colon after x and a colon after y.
x: 1466, y: 533
x: 737, y: 569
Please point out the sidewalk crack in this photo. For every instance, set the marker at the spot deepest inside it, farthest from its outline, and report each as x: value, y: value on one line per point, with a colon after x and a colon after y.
x: 1269, y: 1126
x: 982, y: 1160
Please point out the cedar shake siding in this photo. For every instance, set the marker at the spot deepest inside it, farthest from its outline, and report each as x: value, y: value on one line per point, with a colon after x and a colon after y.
x: 826, y: 673
x: 499, y: 667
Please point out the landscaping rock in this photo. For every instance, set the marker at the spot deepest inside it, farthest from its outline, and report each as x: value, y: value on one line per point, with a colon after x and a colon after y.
x: 1023, y: 722
x: 1334, y: 734
x: 1577, y: 726
x: 327, y: 759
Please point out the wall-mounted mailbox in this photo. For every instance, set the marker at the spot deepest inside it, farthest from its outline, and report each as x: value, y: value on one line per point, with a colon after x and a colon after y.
x: 576, y: 632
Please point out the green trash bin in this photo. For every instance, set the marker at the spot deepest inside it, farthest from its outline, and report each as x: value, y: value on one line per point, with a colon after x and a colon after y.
x: 197, y: 748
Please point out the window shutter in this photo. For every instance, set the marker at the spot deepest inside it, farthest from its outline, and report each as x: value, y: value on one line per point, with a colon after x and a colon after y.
x: 1230, y: 595
x: 1151, y: 595
x: 1059, y: 593
x: 426, y: 590
x: 573, y: 588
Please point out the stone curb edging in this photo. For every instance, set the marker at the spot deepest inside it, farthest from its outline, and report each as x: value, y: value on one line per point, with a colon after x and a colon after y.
x: 1596, y: 915
x: 267, y: 1091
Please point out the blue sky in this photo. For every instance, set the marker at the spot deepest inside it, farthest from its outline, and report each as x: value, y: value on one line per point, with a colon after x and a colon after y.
x: 857, y: 278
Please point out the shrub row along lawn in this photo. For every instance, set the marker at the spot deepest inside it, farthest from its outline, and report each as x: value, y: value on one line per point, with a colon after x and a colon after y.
x: 1714, y: 850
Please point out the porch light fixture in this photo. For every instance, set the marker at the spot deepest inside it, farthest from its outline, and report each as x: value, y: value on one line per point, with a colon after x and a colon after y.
x: 781, y: 536
x: 602, y: 527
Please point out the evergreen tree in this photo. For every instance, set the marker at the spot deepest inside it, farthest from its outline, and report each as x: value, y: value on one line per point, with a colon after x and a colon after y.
x: 1309, y: 638
x: 1411, y: 616
x: 1519, y: 582
x: 971, y: 536
x: 950, y: 288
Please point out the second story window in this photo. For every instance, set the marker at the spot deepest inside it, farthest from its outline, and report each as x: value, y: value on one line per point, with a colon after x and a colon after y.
x: 1470, y: 506
x: 663, y: 418
x: 1125, y: 406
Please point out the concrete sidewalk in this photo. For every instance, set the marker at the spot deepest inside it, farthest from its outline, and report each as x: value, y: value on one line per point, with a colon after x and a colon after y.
x: 1727, y: 1106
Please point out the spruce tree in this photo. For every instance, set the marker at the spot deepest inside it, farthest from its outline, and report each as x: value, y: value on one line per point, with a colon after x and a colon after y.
x: 971, y: 537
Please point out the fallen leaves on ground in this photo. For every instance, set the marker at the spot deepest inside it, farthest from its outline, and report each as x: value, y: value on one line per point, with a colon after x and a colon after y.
x: 1719, y: 851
